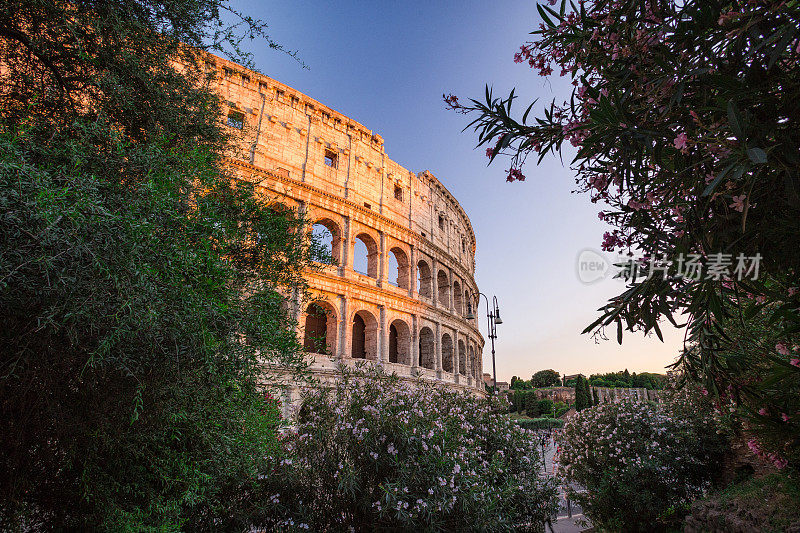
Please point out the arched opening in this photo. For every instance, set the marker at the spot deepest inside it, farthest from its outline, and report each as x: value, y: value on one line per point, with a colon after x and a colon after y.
x: 319, y: 333
x: 427, y: 349
x: 457, y: 298
x: 447, y: 352
x: 468, y: 302
x: 462, y: 358
x: 365, y: 255
x: 399, y: 343
x: 364, y: 343
x: 424, y: 280
x: 398, y: 268
x: 444, y: 289
x: 325, y: 240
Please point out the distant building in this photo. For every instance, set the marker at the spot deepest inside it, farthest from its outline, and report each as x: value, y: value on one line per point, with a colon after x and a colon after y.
x: 502, y: 386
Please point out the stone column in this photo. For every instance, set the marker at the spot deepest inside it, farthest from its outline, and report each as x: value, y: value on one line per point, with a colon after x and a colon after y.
x: 435, y: 282
x: 456, y: 355
x: 383, y: 336
x: 451, y: 290
x: 414, y: 341
x: 345, y: 330
x: 438, y: 345
x: 412, y: 274
x: 382, y: 259
x: 347, y: 249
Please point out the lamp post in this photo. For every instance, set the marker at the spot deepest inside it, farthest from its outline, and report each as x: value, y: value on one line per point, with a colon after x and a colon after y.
x: 493, y: 318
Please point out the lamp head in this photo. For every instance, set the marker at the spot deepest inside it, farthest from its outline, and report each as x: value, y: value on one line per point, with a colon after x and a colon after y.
x: 497, y: 319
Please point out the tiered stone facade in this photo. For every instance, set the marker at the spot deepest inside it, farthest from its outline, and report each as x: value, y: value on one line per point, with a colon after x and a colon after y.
x: 311, y: 158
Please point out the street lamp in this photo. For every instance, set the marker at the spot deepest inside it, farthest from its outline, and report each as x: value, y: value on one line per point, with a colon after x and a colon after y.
x: 493, y: 318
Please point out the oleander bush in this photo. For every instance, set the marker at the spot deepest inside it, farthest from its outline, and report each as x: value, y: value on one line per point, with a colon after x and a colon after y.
x: 371, y: 453
x: 642, y: 464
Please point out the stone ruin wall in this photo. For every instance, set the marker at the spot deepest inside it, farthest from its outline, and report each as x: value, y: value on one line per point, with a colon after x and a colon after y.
x: 604, y: 394
x: 310, y: 158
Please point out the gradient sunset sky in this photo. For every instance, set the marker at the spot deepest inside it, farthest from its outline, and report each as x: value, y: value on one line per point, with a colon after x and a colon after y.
x: 386, y: 65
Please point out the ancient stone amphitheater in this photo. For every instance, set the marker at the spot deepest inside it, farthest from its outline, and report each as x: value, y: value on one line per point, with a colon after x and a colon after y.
x: 402, y: 282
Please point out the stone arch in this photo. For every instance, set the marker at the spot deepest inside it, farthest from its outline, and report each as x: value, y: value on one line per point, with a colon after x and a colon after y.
x: 364, y: 340
x: 399, y: 269
x: 399, y: 342
x: 328, y: 235
x: 457, y: 298
x: 424, y: 279
x: 443, y: 284
x: 447, y: 352
x: 319, y: 328
x: 365, y: 255
x: 427, y: 348
x: 467, y: 302
x: 462, y: 358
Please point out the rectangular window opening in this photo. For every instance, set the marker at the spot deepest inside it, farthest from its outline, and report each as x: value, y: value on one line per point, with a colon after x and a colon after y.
x: 331, y: 158
x: 368, y: 206
x: 245, y: 80
x: 236, y: 120
x: 441, y: 222
x: 398, y: 193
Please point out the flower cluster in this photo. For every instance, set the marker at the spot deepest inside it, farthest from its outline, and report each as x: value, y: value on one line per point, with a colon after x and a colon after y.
x: 640, y: 461
x: 375, y: 453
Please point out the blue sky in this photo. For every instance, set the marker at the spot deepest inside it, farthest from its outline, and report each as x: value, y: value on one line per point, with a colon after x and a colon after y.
x: 386, y: 65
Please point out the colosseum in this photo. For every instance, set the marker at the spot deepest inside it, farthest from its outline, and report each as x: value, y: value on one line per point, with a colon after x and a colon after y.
x: 401, y: 285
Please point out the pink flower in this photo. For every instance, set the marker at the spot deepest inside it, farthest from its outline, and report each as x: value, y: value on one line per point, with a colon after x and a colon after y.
x: 763, y: 412
x: 680, y: 141
x: 738, y: 203
x: 782, y: 349
x: 784, y: 417
x: 795, y: 362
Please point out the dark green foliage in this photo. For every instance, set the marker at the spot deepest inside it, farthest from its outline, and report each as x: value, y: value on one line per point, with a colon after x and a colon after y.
x: 540, y: 423
x: 644, y: 380
x: 545, y: 378
x: 586, y: 393
x: 129, y: 275
x: 581, y: 394
x: 531, y: 404
x: 545, y: 407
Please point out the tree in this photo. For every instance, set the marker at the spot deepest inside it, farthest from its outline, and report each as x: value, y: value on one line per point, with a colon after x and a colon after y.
x: 129, y: 275
x: 682, y: 117
x: 545, y: 378
x: 581, y: 400
x: 586, y: 394
x: 544, y: 407
x: 531, y: 404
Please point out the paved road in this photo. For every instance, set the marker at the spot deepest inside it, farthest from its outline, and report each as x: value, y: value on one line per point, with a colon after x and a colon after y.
x: 568, y: 512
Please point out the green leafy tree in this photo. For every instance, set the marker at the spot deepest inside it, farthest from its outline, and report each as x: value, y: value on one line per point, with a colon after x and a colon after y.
x: 581, y: 401
x: 586, y: 392
x: 682, y: 116
x: 130, y: 275
x: 545, y: 378
x: 531, y: 404
x: 545, y: 407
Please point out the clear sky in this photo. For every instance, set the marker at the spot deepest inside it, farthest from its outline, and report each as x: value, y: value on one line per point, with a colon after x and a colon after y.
x: 386, y: 65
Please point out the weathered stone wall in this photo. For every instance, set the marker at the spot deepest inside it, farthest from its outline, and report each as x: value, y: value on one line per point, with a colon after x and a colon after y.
x: 308, y: 157
x: 604, y: 394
